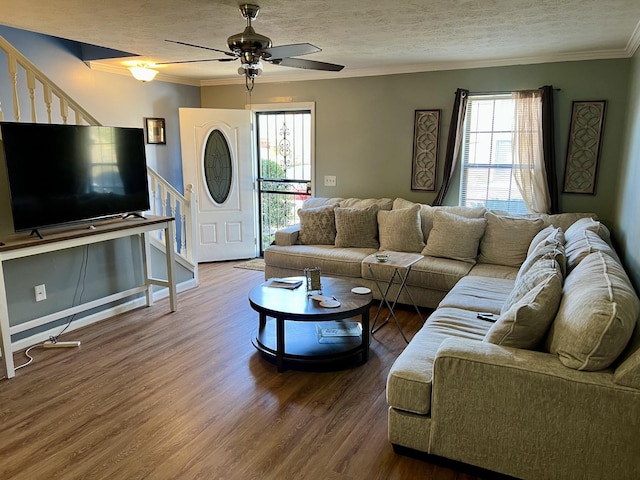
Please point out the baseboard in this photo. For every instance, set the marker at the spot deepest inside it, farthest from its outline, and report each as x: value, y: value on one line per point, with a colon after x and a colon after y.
x: 105, y: 314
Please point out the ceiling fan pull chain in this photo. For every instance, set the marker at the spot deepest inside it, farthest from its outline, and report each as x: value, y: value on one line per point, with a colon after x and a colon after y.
x: 248, y: 80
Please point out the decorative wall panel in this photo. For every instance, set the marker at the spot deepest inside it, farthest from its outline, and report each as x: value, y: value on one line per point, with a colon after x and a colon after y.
x: 425, y: 150
x: 583, y: 150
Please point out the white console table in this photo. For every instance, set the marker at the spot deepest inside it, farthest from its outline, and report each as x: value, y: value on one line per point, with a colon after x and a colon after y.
x: 23, y: 245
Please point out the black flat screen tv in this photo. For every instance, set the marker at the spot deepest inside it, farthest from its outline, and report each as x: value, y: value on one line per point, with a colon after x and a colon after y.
x: 64, y: 174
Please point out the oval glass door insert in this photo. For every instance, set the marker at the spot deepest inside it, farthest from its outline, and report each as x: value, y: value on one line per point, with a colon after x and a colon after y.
x: 217, y: 166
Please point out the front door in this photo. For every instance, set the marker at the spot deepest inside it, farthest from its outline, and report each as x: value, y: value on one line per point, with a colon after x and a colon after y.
x: 217, y: 161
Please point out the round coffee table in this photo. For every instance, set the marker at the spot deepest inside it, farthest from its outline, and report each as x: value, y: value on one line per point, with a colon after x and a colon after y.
x: 312, y: 333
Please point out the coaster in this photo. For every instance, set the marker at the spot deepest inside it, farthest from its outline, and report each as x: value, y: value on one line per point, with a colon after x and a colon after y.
x: 330, y: 303
x: 360, y: 290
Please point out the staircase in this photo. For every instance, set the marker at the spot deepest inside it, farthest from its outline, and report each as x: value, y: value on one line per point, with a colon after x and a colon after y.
x: 36, y: 95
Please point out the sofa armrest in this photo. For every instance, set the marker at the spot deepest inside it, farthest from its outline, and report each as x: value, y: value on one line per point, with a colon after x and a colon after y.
x: 287, y: 236
x: 525, y: 414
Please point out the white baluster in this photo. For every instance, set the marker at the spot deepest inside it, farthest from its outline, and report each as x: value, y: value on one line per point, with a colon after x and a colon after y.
x: 163, y: 200
x: 153, y: 184
x: 13, y: 73
x: 31, y: 85
x: 46, y: 92
x: 64, y: 110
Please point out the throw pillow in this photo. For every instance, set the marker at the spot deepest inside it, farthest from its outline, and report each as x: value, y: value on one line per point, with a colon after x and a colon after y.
x: 400, y: 230
x: 597, y: 314
x: 506, y: 240
x: 548, y: 235
x: 357, y: 227
x: 531, y: 274
x: 455, y: 237
x: 317, y: 225
x: 427, y: 213
x: 585, y: 243
x: 555, y: 251
x: 526, y: 322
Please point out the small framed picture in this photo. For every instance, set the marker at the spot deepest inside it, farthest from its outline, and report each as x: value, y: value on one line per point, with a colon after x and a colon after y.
x: 154, y: 130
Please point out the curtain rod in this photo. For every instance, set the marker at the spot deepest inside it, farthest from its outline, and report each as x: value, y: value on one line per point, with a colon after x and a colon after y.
x: 506, y: 92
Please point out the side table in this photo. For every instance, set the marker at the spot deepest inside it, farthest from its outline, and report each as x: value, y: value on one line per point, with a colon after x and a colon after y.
x: 401, y: 263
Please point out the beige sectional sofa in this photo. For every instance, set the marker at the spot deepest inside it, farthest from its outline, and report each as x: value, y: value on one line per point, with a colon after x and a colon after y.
x: 547, y: 384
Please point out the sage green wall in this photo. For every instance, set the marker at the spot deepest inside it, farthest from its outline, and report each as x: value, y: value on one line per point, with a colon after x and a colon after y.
x: 627, y: 223
x: 364, y: 126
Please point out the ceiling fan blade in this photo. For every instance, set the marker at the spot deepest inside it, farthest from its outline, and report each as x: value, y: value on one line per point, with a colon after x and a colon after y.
x: 197, y: 61
x: 230, y: 54
x: 308, y: 64
x: 293, y: 50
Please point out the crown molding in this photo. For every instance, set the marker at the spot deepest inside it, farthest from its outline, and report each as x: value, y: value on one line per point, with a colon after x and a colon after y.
x: 430, y: 67
x: 306, y: 75
x: 634, y: 41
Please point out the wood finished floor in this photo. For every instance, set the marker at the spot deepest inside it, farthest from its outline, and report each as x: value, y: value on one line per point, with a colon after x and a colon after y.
x: 158, y: 395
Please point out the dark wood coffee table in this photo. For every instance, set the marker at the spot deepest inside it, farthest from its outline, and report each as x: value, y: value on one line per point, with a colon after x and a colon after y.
x: 290, y: 321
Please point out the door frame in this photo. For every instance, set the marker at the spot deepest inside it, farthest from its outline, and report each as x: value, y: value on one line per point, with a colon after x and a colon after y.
x: 286, y: 107
x: 279, y: 107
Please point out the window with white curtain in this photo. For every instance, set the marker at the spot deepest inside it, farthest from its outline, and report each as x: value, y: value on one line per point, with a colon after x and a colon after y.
x: 487, y: 160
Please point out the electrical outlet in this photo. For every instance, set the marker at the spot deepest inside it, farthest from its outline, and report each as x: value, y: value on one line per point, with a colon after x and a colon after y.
x: 41, y: 292
x: 329, y: 180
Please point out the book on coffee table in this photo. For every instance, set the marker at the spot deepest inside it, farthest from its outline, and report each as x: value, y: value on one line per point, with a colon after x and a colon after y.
x: 284, y: 283
x: 334, y: 332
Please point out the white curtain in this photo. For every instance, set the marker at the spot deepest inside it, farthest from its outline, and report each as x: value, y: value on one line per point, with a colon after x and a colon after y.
x: 528, y: 154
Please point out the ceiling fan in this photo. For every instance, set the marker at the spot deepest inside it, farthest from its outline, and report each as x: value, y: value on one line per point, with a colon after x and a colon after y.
x: 252, y: 48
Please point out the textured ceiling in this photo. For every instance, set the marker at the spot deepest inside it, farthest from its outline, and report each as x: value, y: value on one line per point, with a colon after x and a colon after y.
x: 367, y: 36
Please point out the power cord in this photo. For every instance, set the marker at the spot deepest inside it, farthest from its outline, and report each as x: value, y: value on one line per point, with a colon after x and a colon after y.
x: 26, y: 352
x: 79, y: 286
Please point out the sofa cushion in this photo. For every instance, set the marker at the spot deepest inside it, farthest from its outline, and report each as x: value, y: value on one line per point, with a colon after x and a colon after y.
x: 506, y: 239
x: 576, y: 229
x: 410, y: 377
x: 597, y: 314
x: 478, y: 294
x: 493, y: 271
x: 317, y: 225
x: 314, y: 202
x: 525, y: 322
x: 561, y: 220
x: 382, y: 203
x: 357, y: 227
x: 455, y: 237
x: 584, y: 243
x: 346, y: 262
x: 628, y: 371
x: 438, y: 273
x: 400, y: 230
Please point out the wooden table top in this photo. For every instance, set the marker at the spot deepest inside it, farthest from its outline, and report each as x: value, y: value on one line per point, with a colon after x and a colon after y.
x: 297, y: 305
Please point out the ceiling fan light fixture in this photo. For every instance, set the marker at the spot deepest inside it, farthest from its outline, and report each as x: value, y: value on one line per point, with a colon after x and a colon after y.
x: 143, y: 73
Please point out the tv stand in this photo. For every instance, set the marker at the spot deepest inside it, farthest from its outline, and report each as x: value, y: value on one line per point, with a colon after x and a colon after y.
x: 134, y: 214
x: 36, y: 232
x: 21, y: 245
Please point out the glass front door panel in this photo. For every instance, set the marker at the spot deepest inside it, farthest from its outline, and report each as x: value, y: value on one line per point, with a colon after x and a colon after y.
x: 218, y: 170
